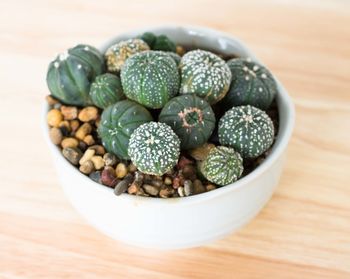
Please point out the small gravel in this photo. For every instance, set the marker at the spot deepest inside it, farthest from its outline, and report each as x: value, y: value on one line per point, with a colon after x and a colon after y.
x: 54, y: 117
x: 151, y: 189
x: 72, y: 154
x: 123, y: 185
x: 88, y: 114
x: 87, y: 167
x: 69, y: 113
x: 56, y: 135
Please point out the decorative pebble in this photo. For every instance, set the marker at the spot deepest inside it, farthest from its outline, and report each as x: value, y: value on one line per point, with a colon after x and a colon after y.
x: 99, y: 149
x: 166, y: 192
x: 69, y: 113
x: 168, y: 180
x: 210, y: 187
x: 72, y: 154
x: 87, y: 156
x: 83, y: 131
x: 181, y: 191
x: 87, y: 167
x: 188, y: 188
x: 69, y: 142
x: 121, y: 170
x: 65, y: 127
x: 54, y: 117
x: 123, y: 185
x: 98, y: 162
x: 88, y: 114
x: 132, y: 167
x: 74, y: 125
x: 151, y: 189
x: 110, y: 159
x: 96, y: 176
x: 55, y: 135
x: 89, y: 140
x: 108, y: 177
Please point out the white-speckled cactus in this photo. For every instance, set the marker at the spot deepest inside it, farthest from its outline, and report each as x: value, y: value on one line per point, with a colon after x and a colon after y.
x: 222, y: 166
x: 154, y: 148
x: 205, y: 74
x: 117, y: 54
x: 247, y: 129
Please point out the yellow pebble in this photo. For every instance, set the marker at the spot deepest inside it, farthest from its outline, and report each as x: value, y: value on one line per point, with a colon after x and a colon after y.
x: 88, y: 114
x: 98, y: 162
x: 121, y: 170
x: 54, y: 117
x: 83, y: 131
x: 69, y: 142
x: 89, y: 140
x: 87, y: 156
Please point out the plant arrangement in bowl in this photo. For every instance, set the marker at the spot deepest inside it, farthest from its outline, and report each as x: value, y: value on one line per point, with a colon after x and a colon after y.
x: 153, y: 116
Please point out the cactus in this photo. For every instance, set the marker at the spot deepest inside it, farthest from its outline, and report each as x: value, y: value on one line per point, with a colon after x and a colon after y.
x: 252, y: 84
x: 154, y: 148
x: 247, y: 129
x: 118, y: 122
x: 150, y: 78
x: 161, y: 42
x: 69, y: 76
x: 106, y: 90
x: 191, y: 118
x: 222, y: 166
x: 205, y: 74
x: 117, y: 54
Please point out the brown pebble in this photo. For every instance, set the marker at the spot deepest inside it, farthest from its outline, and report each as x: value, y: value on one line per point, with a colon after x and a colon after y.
x: 69, y: 113
x: 51, y: 100
x: 123, y: 185
x: 98, y: 162
x: 83, y: 131
x: 110, y: 159
x: 87, y: 167
x: 99, y: 149
x: 87, y: 156
x: 183, y: 161
x: 88, y: 114
x: 108, y: 177
x: 168, y: 180
x: 188, y: 188
x: 121, y: 170
x: 72, y: 154
x: 141, y: 192
x: 55, y: 135
x: 181, y: 191
x: 132, y: 167
x: 151, y: 189
x: 166, y: 192
x: 180, y: 50
x: 74, y: 125
x: 198, y: 187
x: 178, y: 181
x: 188, y: 171
x: 54, y: 117
x: 210, y: 187
x: 82, y: 145
x: 69, y: 142
x: 133, y: 189
x: 89, y: 140
x: 65, y: 127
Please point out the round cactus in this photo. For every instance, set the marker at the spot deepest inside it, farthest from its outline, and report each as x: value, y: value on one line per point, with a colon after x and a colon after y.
x: 247, y: 129
x: 222, y: 166
x: 252, y: 84
x: 191, y: 118
x: 118, y: 122
x: 117, y: 54
x: 161, y: 42
x: 175, y: 56
x: 150, y: 78
x: 70, y: 74
x: 106, y: 90
x: 154, y: 148
x: 205, y: 74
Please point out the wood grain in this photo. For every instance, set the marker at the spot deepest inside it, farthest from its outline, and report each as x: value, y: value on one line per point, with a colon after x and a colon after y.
x: 303, y: 232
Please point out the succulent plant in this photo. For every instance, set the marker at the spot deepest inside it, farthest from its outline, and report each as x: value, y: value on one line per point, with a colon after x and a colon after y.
x: 69, y: 76
x: 191, y: 118
x: 118, y: 122
x: 161, y: 42
x: 154, y: 148
x: 106, y: 90
x: 247, y: 129
x: 150, y: 78
x: 252, y: 84
x: 205, y: 74
x: 117, y: 54
x: 175, y: 56
x: 222, y: 166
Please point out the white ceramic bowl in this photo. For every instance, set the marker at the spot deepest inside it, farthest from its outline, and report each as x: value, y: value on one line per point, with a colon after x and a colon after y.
x: 180, y: 222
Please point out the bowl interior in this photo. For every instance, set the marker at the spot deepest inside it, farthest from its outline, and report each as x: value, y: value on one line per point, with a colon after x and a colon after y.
x: 221, y: 43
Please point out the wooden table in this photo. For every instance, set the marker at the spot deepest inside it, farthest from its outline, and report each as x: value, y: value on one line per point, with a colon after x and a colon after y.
x: 303, y: 232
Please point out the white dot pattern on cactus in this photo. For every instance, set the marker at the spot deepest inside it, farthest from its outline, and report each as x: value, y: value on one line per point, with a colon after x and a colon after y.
x: 247, y: 129
x: 205, y: 74
x: 154, y: 148
x: 117, y: 54
x: 222, y: 166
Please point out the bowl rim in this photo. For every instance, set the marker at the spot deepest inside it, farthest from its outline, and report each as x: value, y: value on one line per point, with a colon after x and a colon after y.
x: 282, y: 139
